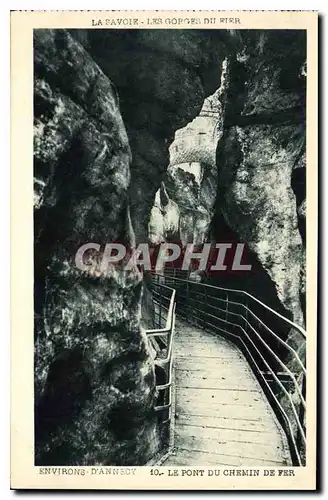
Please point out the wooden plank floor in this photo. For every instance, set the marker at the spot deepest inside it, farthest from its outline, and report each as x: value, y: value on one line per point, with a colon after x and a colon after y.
x: 222, y: 416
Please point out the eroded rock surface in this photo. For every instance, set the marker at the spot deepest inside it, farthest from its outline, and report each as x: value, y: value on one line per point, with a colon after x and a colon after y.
x: 262, y: 144
x: 164, y: 219
x: 163, y: 78
x: 94, y: 382
x: 191, y: 178
x: 259, y: 202
x: 256, y: 121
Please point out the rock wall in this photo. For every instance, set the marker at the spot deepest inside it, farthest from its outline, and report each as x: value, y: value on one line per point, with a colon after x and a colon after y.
x: 164, y: 222
x: 184, y: 205
x: 197, y: 141
x: 196, y: 200
x: 105, y: 116
x: 191, y: 178
x: 94, y: 382
x: 260, y: 153
x: 163, y: 77
x: 255, y: 120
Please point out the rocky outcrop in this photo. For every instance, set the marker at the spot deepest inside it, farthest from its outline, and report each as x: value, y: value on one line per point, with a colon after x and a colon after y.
x: 299, y: 187
x: 256, y: 121
x: 105, y: 116
x: 164, y: 219
x: 162, y: 85
x: 195, y: 197
x: 191, y: 179
x: 259, y: 203
x: 197, y: 141
x: 263, y: 142
x: 94, y: 382
x: 184, y: 205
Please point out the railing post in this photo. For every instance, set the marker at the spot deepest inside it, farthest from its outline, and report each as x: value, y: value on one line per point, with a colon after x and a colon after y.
x: 260, y: 359
x: 246, y: 314
x: 160, y: 313
x: 227, y: 308
x: 301, y: 415
x: 201, y: 320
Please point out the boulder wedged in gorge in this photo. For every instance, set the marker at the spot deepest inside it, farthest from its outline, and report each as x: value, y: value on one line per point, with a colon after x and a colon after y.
x: 94, y: 382
x: 193, y: 188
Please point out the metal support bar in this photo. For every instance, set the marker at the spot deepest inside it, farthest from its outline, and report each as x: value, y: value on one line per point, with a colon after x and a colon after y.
x: 252, y: 327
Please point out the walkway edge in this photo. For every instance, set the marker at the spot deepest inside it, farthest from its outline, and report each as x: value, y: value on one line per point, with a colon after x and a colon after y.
x: 163, y: 455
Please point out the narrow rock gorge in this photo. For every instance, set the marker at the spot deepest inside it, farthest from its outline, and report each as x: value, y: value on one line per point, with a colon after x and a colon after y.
x: 262, y: 145
x: 94, y: 380
x: 113, y: 110
x: 255, y: 139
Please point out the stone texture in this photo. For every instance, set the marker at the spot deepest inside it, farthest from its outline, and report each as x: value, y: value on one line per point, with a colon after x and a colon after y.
x: 258, y: 155
x: 184, y: 205
x: 164, y: 219
x: 87, y: 325
x: 197, y: 141
x: 256, y: 118
x: 163, y: 78
x: 259, y: 202
x: 94, y: 381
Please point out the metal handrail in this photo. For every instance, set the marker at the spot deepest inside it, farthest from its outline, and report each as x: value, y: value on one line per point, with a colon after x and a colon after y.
x: 243, y: 292
x: 287, y: 420
x: 168, y: 384
x: 169, y: 320
x: 281, y: 341
x: 167, y: 362
x: 296, y: 436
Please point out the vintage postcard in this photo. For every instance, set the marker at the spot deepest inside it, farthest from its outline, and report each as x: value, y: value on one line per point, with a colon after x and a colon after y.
x: 164, y: 250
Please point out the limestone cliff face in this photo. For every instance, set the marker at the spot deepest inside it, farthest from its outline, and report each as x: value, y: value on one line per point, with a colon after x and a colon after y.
x: 299, y: 187
x: 163, y: 77
x: 185, y: 212
x: 195, y: 196
x: 255, y: 120
x: 259, y: 202
x: 197, y: 141
x: 164, y: 219
x: 191, y: 178
x: 105, y: 116
x: 258, y: 155
x: 94, y: 382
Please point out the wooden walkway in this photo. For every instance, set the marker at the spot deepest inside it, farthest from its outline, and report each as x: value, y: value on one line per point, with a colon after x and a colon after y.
x: 222, y: 416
